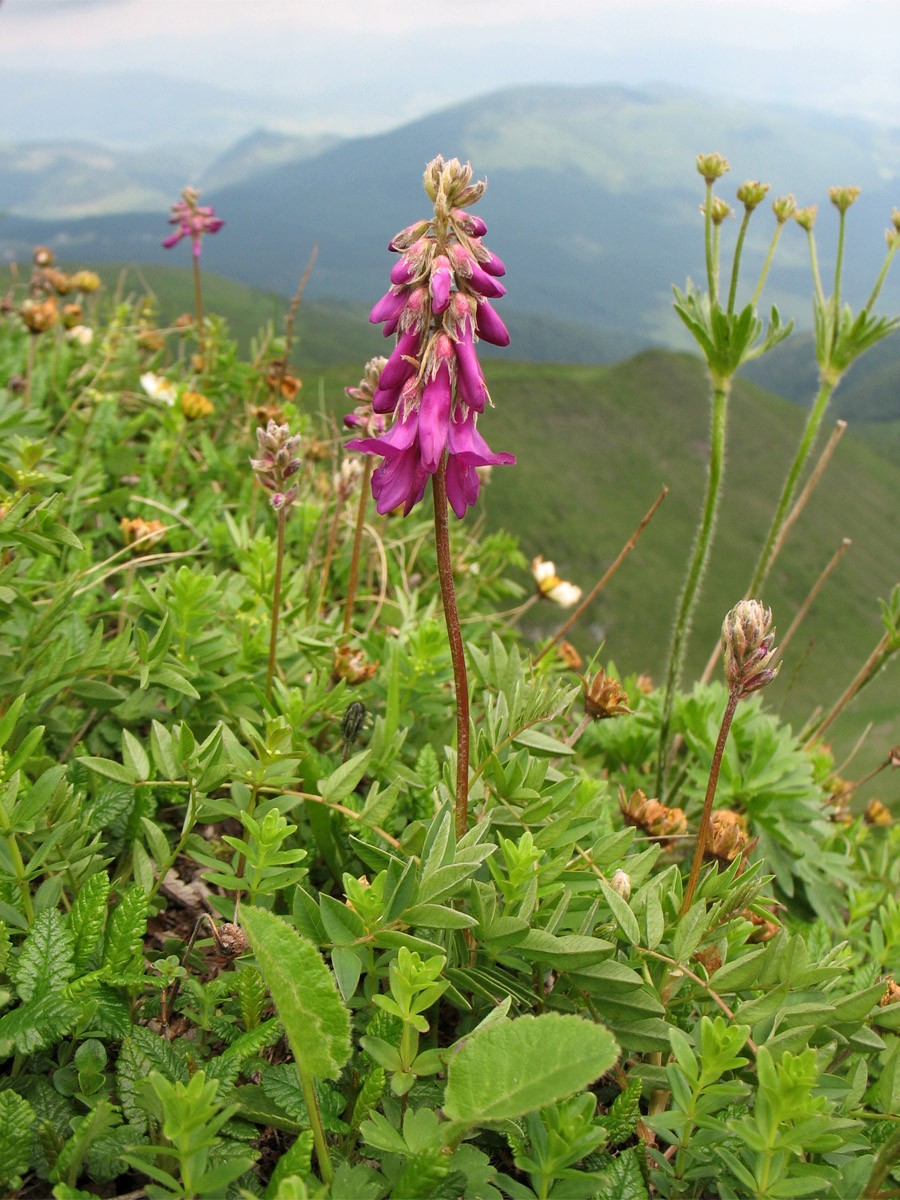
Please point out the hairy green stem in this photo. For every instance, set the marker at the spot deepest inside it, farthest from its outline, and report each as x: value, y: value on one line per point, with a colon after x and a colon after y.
x: 838, y: 266
x: 457, y: 653
x: 315, y: 1124
x: 826, y: 387
x: 707, y: 239
x: 721, y: 389
x: 276, y: 600
x: 694, y: 877
x: 882, y: 274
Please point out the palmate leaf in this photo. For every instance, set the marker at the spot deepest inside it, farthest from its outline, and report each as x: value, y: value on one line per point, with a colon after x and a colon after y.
x: 515, y: 1067
x: 305, y: 994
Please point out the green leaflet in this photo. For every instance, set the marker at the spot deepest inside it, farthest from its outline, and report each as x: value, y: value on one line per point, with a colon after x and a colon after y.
x: 306, y: 997
x: 515, y: 1067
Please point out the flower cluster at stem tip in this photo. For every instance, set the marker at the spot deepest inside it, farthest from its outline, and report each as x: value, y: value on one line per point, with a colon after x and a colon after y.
x: 193, y: 220
x: 438, y: 305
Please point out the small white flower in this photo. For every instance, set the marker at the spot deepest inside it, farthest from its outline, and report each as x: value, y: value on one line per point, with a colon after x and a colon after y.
x: 551, y: 586
x: 158, y: 388
x: 82, y: 334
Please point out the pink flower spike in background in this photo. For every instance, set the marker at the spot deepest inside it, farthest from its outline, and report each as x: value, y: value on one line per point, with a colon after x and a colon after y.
x: 193, y: 220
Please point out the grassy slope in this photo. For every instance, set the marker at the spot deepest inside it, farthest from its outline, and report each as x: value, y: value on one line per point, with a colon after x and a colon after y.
x: 596, y: 444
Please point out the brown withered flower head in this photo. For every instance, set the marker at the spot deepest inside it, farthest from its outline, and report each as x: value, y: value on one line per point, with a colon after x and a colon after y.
x: 280, y: 380
x: 891, y: 993
x: 748, y: 640
x: 352, y: 665
x: 194, y: 405
x: 728, y: 839
x: 569, y: 656
x: 763, y: 928
x: 141, y: 535
x: 656, y: 820
x: 39, y: 315
x: 603, y: 697
x: 877, y: 814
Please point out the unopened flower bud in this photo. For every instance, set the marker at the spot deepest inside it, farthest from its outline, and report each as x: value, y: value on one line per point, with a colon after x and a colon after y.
x: 86, y: 281
x: 43, y: 256
x: 39, y: 316
x: 621, y: 884
x: 751, y: 193
x: 842, y: 197
x: 806, y: 217
x: 749, y: 643
x: 71, y: 315
x: 712, y: 166
x: 783, y: 207
x: 719, y: 210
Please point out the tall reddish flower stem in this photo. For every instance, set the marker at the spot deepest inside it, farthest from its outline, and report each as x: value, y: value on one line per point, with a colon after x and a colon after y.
x: 734, y: 696
x: 457, y: 654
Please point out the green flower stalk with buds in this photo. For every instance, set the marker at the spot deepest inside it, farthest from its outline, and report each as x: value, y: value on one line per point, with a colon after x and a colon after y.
x: 748, y: 641
x: 841, y: 338
x: 727, y: 339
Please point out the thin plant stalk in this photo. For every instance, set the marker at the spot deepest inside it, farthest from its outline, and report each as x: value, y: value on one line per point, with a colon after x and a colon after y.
x: 605, y: 578
x: 738, y: 247
x: 353, y: 582
x: 787, y: 526
x: 292, y: 314
x: 457, y: 653
x: 721, y: 389
x: 276, y: 600
x: 867, y: 671
x: 702, y: 833
x: 29, y: 370
x: 329, y: 548
x: 763, y: 275
x: 179, y: 442
x: 707, y: 241
x: 198, y: 308
x: 829, y: 381
x: 814, y: 591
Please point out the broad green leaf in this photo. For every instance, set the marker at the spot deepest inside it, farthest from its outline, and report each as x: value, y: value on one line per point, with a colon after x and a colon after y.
x: 515, y: 1067
x: 134, y: 755
x: 625, y: 918
x: 109, y: 768
x: 303, y: 989
x: 341, y: 782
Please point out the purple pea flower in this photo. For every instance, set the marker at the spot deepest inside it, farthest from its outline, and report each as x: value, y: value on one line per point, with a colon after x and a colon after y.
x: 193, y: 220
x: 432, y: 382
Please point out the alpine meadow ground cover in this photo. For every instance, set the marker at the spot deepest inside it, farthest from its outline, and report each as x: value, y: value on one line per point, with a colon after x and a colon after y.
x: 317, y: 879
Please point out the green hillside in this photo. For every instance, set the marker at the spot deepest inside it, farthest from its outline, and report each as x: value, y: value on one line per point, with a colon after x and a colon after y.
x: 596, y: 444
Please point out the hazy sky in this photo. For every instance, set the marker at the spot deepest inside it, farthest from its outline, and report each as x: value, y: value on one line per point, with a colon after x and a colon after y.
x: 360, y: 65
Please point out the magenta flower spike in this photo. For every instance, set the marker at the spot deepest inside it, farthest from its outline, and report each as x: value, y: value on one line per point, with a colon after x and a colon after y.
x: 433, y: 382
x: 193, y: 220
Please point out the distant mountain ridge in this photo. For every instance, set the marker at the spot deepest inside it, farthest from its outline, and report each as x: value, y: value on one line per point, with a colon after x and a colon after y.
x: 592, y: 203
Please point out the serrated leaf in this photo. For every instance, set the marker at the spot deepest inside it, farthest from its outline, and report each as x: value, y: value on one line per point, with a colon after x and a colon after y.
x: 305, y: 994
x: 142, y: 1052
x: 46, y: 962
x: 16, y: 1116
x: 125, y: 930
x: 88, y: 916
x: 515, y: 1067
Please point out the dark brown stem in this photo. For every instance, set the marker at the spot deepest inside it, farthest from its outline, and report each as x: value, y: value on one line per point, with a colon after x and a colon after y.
x: 866, y: 672
x: 276, y: 600
x: 457, y: 654
x: 623, y: 553
x: 357, y: 544
x: 693, y: 878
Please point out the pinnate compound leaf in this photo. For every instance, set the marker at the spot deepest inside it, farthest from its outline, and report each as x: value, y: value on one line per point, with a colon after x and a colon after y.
x: 305, y: 994
x: 125, y: 931
x: 16, y: 1116
x: 46, y: 963
x: 88, y: 915
x: 515, y: 1067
